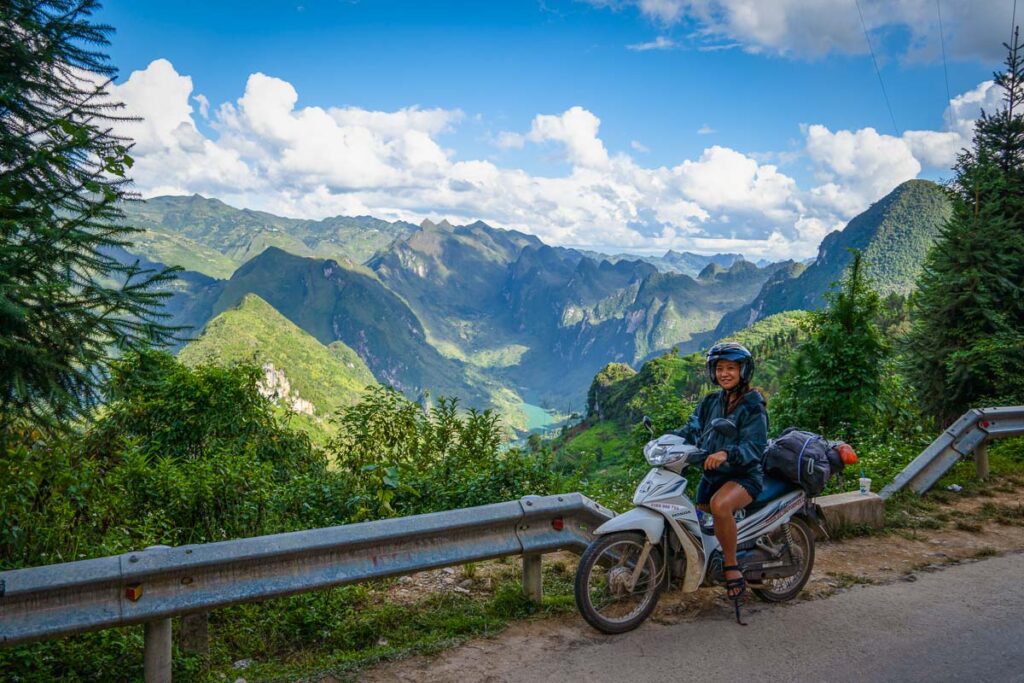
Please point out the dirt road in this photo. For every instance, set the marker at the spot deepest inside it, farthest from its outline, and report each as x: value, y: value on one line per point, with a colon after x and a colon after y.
x: 927, y: 604
x: 960, y: 624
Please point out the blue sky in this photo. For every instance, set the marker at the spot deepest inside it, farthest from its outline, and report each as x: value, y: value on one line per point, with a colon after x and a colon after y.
x: 787, y: 85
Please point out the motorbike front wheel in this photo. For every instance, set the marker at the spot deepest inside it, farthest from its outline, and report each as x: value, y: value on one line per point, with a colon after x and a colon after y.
x: 606, y: 594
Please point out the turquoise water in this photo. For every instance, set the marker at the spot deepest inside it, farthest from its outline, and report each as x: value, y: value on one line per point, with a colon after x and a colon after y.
x: 537, y: 417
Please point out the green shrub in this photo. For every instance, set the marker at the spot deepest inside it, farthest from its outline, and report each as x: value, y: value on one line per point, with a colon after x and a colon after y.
x: 404, y: 460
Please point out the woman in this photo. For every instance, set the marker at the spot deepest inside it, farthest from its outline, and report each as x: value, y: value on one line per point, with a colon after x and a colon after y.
x: 732, y: 472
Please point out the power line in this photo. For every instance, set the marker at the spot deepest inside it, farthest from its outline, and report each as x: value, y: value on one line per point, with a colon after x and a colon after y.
x: 874, y: 61
x: 945, y: 69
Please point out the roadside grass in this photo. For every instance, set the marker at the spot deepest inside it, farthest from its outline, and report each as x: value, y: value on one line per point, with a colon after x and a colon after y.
x: 342, y: 631
x: 305, y: 637
x: 846, y: 579
x: 851, y: 531
x: 1009, y: 515
x: 907, y: 513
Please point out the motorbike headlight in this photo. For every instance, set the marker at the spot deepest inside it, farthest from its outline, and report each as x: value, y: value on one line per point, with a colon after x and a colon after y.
x: 658, y: 455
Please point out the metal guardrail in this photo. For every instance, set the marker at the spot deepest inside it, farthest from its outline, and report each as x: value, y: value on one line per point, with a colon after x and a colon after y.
x: 161, y: 582
x: 969, y: 434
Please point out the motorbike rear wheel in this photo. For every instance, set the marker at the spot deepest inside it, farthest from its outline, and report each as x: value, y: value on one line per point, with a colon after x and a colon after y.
x: 781, y: 590
x: 603, y: 592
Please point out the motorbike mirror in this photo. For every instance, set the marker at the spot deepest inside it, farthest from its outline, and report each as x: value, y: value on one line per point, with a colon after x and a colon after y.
x: 648, y: 425
x: 726, y: 428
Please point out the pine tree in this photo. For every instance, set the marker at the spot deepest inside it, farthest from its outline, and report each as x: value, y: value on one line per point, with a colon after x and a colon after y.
x: 836, y: 377
x: 66, y: 304
x: 966, y: 345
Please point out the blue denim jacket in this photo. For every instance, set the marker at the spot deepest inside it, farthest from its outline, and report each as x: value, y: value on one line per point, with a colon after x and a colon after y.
x: 745, y: 449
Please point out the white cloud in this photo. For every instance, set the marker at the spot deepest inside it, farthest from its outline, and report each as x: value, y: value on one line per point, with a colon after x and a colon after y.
x: 268, y: 153
x: 665, y: 11
x: 639, y: 146
x: 204, y: 105
x: 576, y: 129
x: 430, y: 121
x: 659, y: 43
x: 859, y: 167
x: 724, y: 179
x: 160, y: 96
x: 509, y: 140
x: 868, y: 164
x: 965, y: 108
x: 705, y: 130
x: 812, y: 28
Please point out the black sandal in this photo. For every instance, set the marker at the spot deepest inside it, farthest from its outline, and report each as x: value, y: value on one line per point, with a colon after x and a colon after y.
x: 739, y: 586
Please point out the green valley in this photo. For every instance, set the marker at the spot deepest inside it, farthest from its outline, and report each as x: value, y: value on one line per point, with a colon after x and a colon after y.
x: 496, y: 317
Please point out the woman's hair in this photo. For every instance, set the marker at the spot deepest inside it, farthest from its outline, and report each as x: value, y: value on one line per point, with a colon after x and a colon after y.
x: 733, y: 398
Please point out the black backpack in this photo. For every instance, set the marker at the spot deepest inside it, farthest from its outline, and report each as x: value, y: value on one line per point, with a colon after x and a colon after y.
x: 802, y: 458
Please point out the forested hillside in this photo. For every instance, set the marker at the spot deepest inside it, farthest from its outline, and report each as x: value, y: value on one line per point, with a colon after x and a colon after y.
x: 894, y: 235
x: 492, y: 316
x: 666, y: 388
x: 300, y: 373
x: 335, y: 302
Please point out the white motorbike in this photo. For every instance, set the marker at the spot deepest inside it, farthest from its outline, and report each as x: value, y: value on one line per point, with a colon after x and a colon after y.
x: 664, y: 539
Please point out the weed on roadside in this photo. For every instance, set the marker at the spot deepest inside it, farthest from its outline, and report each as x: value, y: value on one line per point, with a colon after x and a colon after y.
x: 846, y: 579
x: 1008, y: 515
x: 906, y: 510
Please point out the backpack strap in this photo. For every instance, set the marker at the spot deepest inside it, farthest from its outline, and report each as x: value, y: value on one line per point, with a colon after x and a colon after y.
x: 800, y: 459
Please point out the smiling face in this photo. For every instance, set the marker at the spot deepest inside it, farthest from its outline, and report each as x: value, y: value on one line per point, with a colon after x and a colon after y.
x: 727, y: 372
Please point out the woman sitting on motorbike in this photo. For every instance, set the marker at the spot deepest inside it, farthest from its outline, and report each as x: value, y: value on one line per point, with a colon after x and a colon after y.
x: 732, y: 471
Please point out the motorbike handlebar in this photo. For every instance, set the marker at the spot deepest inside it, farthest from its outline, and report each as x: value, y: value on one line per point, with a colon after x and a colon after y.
x: 697, y: 457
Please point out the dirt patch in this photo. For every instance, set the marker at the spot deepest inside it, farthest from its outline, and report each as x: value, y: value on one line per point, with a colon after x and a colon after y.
x: 961, y: 529
x: 968, y: 528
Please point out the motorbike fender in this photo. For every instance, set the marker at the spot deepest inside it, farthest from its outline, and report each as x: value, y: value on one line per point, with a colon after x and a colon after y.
x: 650, y: 523
x: 814, y: 517
x: 694, y: 572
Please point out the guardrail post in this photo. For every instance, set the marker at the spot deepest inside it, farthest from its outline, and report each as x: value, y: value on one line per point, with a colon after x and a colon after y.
x: 195, y: 634
x: 981, y: 460
x: 157, y: 652
x: 532, y: 585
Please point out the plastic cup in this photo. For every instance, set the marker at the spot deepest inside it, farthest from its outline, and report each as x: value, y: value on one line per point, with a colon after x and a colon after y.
x: 865, y: 486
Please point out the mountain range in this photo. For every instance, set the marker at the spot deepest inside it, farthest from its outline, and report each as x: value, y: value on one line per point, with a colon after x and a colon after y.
x: 894, y: 235
x: 496, y: 317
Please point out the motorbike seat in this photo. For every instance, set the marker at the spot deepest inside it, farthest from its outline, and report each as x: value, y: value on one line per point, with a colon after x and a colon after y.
x: 773, y: 488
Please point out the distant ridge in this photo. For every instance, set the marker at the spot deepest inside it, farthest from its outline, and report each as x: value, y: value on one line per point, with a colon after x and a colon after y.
x: 894, y: 234
x: 208, y: 236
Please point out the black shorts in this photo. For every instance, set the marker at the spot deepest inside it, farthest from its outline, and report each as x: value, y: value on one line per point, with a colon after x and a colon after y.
x: 708, y: 487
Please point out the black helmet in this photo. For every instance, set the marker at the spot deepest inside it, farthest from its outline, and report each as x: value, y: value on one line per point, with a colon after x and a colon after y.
x: 731, y: 351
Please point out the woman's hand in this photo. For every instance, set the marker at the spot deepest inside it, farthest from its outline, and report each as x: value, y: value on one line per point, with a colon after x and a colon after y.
x: 715, y: 460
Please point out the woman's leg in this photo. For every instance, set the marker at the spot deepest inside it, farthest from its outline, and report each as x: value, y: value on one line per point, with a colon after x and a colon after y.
x: 724, y: 504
